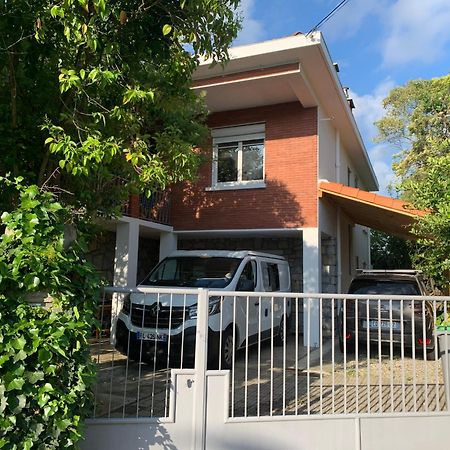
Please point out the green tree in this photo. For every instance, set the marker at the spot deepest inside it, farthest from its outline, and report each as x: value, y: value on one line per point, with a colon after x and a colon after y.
x: 388, y: 251
x: 95, y: 90
x: 95, y: 102
x: 417, y: 120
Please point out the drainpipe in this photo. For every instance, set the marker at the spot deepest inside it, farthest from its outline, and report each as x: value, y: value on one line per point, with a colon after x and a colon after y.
x: 338, y: 215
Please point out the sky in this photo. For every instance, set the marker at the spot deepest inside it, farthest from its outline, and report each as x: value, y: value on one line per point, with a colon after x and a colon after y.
x: 378, y: 44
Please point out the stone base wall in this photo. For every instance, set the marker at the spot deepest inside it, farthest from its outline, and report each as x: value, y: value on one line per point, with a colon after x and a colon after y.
x: 329, y: 278
x: 101, y: 254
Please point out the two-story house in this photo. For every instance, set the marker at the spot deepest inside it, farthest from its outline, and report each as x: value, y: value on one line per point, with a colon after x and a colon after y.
x: 286, y: 172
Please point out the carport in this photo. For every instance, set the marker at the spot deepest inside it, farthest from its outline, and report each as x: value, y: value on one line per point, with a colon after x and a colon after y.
x: 379, y: 212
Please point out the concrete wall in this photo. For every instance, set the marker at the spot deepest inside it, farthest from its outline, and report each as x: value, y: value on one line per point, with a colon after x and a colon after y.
x: 216, y: 431
x: 290, y: 196
x: 327, y: 147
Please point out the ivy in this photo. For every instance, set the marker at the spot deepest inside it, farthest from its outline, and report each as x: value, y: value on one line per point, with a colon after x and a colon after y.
x: 45, y: 366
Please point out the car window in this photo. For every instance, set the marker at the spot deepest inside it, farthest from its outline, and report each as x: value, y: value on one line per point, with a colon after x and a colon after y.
x: 384, y: 287
x: 194, y: 271
x: 271, y: 277
x: 248, y: 275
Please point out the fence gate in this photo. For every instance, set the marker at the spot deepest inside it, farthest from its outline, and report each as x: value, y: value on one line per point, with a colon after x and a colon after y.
x: 293, y: 396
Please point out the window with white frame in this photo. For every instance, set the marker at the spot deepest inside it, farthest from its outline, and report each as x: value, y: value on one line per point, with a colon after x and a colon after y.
x: 238, y: 157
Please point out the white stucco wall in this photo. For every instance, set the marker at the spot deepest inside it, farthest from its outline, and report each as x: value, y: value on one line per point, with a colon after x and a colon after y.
x: 327, y: 147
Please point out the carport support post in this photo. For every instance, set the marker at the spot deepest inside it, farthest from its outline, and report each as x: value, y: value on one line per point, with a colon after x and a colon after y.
x: 167, y: 244
x: 311, y: 283
x: 125, y: 264
x: 201, y: 361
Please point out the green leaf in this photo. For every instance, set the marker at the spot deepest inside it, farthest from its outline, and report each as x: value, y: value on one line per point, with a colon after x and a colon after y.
x: 15, y: 384
x: 166, y: 29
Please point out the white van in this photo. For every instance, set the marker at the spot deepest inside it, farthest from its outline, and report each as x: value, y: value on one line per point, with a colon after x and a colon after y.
x: 147, y: 320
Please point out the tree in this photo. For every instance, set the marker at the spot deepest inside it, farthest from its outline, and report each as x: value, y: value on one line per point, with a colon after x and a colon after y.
x: 388, y: 251
x: 92, y: 91
x: 417, y: 120
x: 95, y: 102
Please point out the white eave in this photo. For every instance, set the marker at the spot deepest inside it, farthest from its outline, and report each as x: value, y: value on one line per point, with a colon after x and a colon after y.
x: 295, y: 68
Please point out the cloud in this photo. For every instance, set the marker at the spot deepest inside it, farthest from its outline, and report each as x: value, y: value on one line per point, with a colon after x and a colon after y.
x: 252, y: 30
x: 369, y: 107
x: 409, y: 30
x: 418, y: 31
x: 348, y: 20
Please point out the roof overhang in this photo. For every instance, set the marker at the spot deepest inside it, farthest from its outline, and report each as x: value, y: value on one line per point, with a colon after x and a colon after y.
x: 375, y: 211
x: 295, y: 68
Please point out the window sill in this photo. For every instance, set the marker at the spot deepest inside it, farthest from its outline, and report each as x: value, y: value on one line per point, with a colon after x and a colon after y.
x: 236, y: 186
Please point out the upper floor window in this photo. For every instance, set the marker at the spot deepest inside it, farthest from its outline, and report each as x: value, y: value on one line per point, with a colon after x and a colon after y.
x: 238, y: 157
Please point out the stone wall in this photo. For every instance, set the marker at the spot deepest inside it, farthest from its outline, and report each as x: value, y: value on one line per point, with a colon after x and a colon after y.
x: 329, y: 279
x: 101, y: 254
x: 329, y: 272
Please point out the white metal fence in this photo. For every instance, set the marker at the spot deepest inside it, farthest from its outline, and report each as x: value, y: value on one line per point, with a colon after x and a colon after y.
x: 348, y: 355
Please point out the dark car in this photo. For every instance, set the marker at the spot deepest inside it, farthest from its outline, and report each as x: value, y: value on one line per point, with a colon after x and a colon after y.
x: 408, y: 323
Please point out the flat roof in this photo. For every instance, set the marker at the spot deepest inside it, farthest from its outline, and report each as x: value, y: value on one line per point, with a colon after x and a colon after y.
x: 264, y: 73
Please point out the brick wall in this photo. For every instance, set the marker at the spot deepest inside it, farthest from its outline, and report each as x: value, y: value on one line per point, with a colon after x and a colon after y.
x: 290, y: 196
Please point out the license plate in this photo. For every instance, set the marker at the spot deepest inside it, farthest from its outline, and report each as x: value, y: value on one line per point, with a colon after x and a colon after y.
x: 151, y: 336
x: 384, y: 325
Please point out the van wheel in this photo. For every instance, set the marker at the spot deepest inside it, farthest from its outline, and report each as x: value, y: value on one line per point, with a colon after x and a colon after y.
x: 278, y: 339
x: 228, y: 349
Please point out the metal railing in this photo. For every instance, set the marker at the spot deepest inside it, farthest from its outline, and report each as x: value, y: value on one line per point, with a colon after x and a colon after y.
x: 348, y: 355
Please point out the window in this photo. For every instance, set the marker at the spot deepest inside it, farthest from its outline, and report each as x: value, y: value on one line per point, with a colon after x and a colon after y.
x: 247, y: 280
x: 271, y: 277
x: 238, y: 157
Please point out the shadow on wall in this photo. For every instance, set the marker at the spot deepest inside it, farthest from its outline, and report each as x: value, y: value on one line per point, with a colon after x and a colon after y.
x: 271, y: 207
x: 160, y: 439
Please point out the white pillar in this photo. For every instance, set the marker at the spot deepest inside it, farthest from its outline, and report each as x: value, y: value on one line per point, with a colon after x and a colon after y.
x: 311, y: 283
x: 167, y: 244
x: 125, y: 266
x: 126, y: 255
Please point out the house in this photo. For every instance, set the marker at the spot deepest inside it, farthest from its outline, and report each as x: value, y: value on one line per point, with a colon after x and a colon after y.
x: 286, y: 172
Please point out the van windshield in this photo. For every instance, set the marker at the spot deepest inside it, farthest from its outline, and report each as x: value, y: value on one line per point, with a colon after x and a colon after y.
x: 194, y: 271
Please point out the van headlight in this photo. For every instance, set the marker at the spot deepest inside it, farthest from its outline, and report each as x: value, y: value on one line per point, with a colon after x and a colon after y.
x: 215, y: 306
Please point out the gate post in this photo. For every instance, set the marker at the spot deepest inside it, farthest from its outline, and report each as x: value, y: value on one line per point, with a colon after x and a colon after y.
x: 201, y: 361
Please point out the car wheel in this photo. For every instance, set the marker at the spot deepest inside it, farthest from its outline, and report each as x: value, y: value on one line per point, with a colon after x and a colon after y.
x: 278, y: 339
x: 432, y: 354
x: 227, y: 350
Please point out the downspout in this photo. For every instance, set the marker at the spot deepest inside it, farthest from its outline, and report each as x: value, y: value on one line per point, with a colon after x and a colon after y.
x: 338, y: 215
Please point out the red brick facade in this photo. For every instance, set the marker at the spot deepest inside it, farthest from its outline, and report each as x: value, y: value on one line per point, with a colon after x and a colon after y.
x: 290, y: 196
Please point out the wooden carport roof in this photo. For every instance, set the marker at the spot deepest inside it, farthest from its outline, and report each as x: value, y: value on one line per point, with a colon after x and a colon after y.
x: 372, y: 210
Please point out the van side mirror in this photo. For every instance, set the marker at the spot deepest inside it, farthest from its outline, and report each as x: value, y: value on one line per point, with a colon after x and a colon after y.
x: 245, y: 285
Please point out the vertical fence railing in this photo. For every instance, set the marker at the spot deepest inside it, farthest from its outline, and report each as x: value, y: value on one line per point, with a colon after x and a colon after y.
x: 375, y: 354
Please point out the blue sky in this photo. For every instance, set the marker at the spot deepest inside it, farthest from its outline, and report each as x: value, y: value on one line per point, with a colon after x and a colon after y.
x: 378, y: 44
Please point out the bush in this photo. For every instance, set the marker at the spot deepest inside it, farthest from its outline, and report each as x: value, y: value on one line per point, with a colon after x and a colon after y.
x: 45, y: 366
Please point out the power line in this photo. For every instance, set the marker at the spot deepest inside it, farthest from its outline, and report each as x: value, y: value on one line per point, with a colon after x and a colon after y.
x: 328, y: 16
